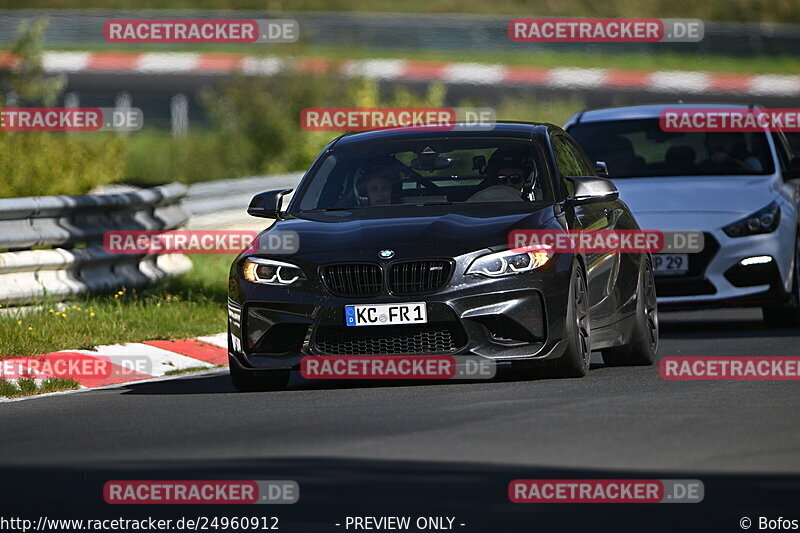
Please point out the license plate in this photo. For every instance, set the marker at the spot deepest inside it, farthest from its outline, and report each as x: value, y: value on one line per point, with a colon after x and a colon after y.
x: 670, y: 264
x: 385, y: 314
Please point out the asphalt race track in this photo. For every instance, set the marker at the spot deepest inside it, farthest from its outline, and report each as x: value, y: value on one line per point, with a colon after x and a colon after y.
x: 443, y: 449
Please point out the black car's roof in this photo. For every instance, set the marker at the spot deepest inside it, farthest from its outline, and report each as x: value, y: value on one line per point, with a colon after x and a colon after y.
x: 521, y: 130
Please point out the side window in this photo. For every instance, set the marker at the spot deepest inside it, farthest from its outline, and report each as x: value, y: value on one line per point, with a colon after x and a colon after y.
x: 569, y: 159
x: 587, y: 168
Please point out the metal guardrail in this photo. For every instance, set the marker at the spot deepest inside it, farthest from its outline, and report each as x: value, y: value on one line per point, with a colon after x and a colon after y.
x: 52, y: 245
x: 414, y: 31
x: 235, y: 195
x: 223, y: 204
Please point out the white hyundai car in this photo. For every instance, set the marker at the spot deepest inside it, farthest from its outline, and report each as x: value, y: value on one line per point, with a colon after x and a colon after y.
x: 740, y: 189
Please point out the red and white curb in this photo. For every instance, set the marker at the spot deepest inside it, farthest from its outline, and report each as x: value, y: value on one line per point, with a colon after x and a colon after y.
x: 664, y: 81
x: 123, y: 363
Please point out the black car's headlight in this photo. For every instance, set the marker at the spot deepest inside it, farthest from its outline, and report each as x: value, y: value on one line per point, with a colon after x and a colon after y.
x: 764, y: 221
x: 270, y: 272
x: 510, y: 262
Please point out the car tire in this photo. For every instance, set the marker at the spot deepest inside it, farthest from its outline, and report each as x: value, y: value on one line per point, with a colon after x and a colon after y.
x: 643, y: 346
x: 574, y: 363
x: 786, y: 315
x: 257, y: 380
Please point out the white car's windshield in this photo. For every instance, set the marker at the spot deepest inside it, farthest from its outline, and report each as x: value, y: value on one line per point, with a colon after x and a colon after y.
x: 639, y: 148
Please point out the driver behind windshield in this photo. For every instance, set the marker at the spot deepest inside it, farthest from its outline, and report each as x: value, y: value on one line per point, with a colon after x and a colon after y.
x: 378, y: 187
x: 727, y: 151
x: 506, y: 173
x: 508, y: 167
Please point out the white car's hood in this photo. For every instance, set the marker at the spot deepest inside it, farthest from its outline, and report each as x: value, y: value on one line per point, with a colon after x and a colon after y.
x: 723, y: 195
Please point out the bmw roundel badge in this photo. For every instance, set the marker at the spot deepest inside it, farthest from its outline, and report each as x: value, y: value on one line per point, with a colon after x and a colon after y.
x: 386, y: 254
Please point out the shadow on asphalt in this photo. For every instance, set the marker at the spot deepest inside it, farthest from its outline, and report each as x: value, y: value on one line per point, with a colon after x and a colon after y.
x: 220, y: 383
x: 718, y: 325
x: 332, y: 488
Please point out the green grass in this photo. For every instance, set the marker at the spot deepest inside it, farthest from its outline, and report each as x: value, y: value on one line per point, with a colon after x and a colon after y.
x: 179, y: 371
x: 190, y: 305
x: 555, y: 111
x: 28, y: 387
x: 524, y: 57
x: 742, y: 10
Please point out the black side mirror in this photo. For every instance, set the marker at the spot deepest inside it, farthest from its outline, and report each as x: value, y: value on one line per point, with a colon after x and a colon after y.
x: 592, y: 190
x: 793, y: 170
x: 267, y: 204
x: 601, y: 168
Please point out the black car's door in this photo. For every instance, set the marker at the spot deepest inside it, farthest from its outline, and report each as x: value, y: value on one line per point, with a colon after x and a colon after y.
x: 603, y: 267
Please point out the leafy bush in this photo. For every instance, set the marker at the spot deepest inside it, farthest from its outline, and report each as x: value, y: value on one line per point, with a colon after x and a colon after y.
x: 37, y: 163
x: 34, y: 164
x: 555, y: 110
x: 154, y: 157
x: 262, y: 116
x: 255, y: 128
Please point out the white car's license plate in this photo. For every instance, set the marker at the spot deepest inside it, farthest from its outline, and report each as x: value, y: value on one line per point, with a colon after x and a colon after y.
x: 670, y: 264
x: 385, y: 314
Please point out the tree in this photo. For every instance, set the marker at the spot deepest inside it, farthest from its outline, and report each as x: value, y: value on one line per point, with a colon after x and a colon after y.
x: 27, y: 77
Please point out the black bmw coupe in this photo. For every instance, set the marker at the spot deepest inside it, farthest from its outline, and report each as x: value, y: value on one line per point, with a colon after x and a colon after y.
x: 403, y: 249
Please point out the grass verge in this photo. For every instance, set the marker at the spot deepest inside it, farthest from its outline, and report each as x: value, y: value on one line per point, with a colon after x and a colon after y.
x: 29, y: 387
x: 179, y: 371
x: 190, y: 305
x: 740, y: 10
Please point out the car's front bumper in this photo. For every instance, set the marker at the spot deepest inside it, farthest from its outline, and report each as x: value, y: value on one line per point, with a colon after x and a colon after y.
x: 723, y: 281
x: 511, y: 318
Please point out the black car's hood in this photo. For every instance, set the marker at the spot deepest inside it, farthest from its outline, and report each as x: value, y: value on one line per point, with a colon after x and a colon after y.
x: 431, y: 231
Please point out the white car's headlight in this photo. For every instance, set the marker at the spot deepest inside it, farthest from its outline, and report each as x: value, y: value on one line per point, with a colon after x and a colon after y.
x: 510, y: 262
x: 270, y: 272
x: 764, y: 221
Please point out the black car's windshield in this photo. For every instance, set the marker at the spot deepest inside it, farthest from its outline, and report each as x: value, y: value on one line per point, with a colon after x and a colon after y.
x: 639, y: 148
x: 425, y: 172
